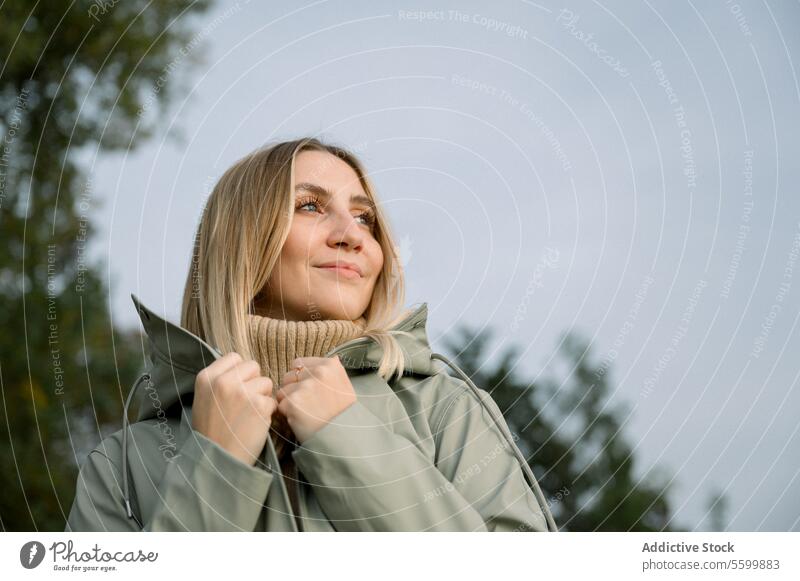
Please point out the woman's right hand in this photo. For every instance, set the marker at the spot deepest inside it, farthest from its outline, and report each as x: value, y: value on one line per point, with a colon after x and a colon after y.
x: 233, y: 406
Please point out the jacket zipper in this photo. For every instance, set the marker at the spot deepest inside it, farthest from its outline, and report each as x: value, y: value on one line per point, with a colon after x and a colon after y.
x: 295, y: 476
x: 276, y: 470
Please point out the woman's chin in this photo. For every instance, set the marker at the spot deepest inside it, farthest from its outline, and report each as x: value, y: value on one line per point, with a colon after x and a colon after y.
x: 338, y: 311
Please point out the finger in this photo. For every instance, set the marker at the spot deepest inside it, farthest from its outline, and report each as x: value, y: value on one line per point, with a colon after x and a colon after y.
x: 294, y: 376
x: 308, y: 361
x: 263, y: 404
x: 283, y: 407
x: 260, y: 385
x: 222, y: 365
x: 311, y: 367
x: 286, y: 390
x: 242, y: 372
x: 268, y: 408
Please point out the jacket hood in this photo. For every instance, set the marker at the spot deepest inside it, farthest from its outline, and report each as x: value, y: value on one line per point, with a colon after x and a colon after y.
x: 178, y: 355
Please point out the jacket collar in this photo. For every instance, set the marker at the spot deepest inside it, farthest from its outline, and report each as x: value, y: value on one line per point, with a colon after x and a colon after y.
x: 177, y: 355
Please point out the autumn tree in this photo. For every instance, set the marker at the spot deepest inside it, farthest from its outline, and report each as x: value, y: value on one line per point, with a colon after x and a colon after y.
x: 572, y: 434
x: 75, y: 77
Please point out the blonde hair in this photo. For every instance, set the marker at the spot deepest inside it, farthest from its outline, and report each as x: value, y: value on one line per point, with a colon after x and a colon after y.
x: 244, y: 225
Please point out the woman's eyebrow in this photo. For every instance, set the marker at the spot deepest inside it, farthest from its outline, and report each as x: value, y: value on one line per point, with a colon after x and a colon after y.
x: 326, y: 194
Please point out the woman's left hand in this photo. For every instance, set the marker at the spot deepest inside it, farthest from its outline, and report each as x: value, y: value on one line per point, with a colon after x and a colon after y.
x: 311, y: 398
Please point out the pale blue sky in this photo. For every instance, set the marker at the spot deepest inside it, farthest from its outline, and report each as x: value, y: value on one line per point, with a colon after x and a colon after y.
x: 491, y: 143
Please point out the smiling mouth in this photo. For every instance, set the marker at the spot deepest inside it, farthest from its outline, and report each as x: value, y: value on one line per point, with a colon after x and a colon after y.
x: 348, y: 273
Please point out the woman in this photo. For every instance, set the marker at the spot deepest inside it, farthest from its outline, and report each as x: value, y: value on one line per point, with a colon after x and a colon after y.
x: 319, y: 407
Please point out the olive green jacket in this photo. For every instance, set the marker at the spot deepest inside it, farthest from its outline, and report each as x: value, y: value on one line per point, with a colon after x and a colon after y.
x: 426, y: 452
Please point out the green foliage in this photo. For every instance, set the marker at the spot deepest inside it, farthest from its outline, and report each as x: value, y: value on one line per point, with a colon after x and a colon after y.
x: 77, y: 75
x: 572, y: 434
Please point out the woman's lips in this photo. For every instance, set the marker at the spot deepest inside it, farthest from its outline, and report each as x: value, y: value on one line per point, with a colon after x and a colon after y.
x: 340, y: 271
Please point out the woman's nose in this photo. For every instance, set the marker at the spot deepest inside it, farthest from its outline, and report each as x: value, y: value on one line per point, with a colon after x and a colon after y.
x: 345, y: 230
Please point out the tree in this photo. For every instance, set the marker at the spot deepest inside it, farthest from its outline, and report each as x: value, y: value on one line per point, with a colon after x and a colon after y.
x: 717, y: 511
x: 572, y: 435
x: 77, y: 75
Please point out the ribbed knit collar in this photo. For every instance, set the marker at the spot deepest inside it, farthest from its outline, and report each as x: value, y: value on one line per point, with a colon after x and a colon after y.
x: 276, y: 342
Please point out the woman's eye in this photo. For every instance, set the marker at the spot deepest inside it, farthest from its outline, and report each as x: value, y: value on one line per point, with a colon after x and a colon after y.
x: 308, y: 202
x: 313, y: 205
x: 368, y: 218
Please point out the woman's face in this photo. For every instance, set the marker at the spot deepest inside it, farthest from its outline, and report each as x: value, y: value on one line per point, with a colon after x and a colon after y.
x: 330, y: 262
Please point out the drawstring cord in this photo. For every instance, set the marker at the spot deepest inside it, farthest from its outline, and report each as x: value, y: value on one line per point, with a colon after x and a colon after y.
x: 125, y: 426
x: 272, y: 460
x: 551, y: 524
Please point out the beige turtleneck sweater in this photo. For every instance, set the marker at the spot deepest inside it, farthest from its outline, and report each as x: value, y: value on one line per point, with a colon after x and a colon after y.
x: 275, y: 343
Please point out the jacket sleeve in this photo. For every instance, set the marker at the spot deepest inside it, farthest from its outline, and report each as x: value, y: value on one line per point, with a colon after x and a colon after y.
x: 204, y: 488
x: 367, y: 478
